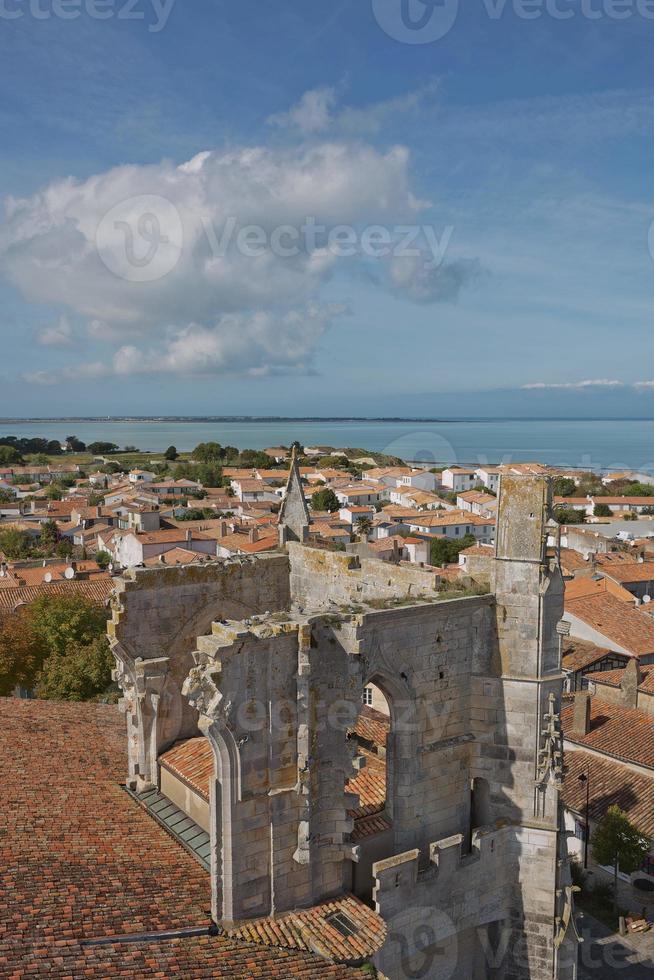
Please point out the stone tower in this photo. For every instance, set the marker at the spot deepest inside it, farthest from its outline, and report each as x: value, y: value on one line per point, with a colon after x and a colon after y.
x: 294, y: 514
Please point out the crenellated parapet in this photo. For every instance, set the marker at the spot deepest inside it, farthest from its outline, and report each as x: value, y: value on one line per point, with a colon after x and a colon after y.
x: 471, y: 886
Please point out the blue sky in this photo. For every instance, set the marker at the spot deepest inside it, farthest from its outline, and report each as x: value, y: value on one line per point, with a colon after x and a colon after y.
x: 523, y: 146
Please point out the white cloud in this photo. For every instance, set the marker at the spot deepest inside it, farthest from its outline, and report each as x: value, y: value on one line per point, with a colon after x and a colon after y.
x: 593, y: 383
x: 317, y: 111
x: 59, y: 334
x: 312, y: 114
x: 154, y: 256
x: 256, y: 344
x: 421, y: 282
x: 644, y: 384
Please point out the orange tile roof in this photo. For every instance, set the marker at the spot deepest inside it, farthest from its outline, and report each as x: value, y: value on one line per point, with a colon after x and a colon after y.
x: 81, y: 860
x: 372, y: 726
x: 623, y: 733
x: 631, y: 572
x: 364, y: 827
x: 97, y: 589
x: 369, y: 784
x: 177, y: 556
x: 192, y: 761
x: 621, y: 624
x: 311, y: 929
x: 579, y: 587
x: 611, y: 784
x: 578, y: 654
x: 613, y: 678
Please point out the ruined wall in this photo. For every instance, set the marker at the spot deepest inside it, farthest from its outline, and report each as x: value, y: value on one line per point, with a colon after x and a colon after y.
x: 269, y: 702
x: 157, y: 615
x: 422, y: 657
x: 328, y: 579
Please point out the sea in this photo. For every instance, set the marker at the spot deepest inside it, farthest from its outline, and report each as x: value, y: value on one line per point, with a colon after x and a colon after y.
x: 600, y: 444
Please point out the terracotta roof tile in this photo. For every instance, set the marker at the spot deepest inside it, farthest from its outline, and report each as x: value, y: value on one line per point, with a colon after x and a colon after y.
x: 80, y: 859
x: 578, y: 654
x: 611, y: 784
x: 624, y: 733
x: 623, y: 626
x: 192, y: 760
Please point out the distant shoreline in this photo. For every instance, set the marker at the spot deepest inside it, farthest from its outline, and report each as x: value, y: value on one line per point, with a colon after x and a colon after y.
x: 273, y: 419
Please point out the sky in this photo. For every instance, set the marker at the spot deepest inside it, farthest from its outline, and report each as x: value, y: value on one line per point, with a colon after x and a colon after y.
x: 389, y: 207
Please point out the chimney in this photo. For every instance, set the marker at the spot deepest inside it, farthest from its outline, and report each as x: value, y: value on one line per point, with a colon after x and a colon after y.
x: 189, y: 536
x: 581, y: 714
x: 631, y: 681
x: 222, y: 529
x: 253, y: 535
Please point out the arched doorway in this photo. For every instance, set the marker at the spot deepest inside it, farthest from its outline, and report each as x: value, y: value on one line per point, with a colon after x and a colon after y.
x: 373, y: 784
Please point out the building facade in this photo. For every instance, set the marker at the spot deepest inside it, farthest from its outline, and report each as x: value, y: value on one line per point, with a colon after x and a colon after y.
x: 260, y: 665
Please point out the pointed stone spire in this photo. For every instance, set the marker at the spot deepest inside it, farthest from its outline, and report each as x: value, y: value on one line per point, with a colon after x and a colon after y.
x: 294, y: 514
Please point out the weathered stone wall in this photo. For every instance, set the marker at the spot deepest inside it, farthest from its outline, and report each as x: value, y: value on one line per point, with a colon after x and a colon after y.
x: 422, y: 658
x: 323, y: 579
x: 157, y: 616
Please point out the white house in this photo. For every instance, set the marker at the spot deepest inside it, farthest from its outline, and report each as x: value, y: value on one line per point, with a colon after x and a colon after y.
x: 132, y: 548
x: 353, y: 513
x: 419, y: 480
x: 359, y: 495
x: 454, y: 524
x: 489, y: 476
x: 141, y: 476
x: 459, y: 478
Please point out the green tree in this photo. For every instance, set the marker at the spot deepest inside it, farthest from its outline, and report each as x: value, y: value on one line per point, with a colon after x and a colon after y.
x: 61, y: 620
x: 618, y: 843
x: 363, y: 527
x: 82, y: 674
x: 208, y: 452
x: 568, y: 515
x: 54, y: 491
x: 563, y: 486
x: 100, y: 448
x: 49, y: 535
x: 9, y: 456
x: 639, y: 490
x: 47, y: 631
x: 75, y: 445
x: 325, y: 500
x: 103, y: 559
x: 21, y: 654
x: 208, y: 474
x: 171, y: 453
x: 602, y: 510
x: 15, y: 544
x: 444, y: 551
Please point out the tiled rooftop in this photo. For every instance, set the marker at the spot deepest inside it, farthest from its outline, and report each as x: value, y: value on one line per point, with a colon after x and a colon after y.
x: 97, y: 589
x: 624, y: 733
x: 611, y: 784
x: 192, y: 761
x: 614, y: 677
x: 578, y: 654
x: 628, y: 628
x: 81, y: 860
